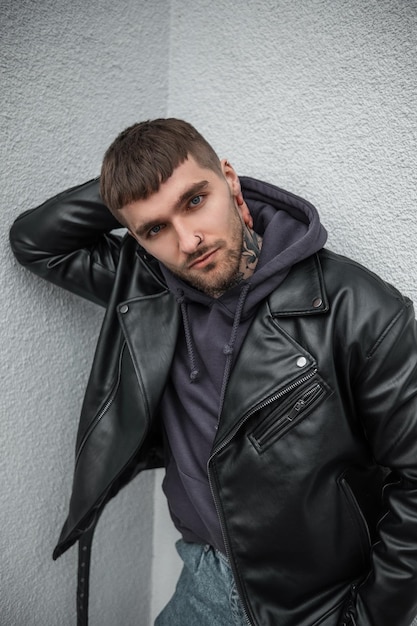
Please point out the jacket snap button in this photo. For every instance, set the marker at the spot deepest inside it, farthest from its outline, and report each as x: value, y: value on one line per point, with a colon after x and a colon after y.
x: 317, y: 302
x: 301, y: 361
x: 124, y: 308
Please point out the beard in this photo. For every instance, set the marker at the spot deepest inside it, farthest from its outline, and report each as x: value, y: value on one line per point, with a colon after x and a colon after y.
x: 217, y: 277
x: 224, y: 272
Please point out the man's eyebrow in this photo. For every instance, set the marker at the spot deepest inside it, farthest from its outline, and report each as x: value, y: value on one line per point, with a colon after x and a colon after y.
x: 188, y: 194
x: 191, y: 192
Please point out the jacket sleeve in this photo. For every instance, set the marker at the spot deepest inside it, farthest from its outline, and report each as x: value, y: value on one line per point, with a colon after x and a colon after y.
x: 67, y: 240
x: 386, y: 394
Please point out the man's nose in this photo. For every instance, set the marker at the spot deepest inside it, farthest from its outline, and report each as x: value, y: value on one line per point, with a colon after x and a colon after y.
x: 188, y: 240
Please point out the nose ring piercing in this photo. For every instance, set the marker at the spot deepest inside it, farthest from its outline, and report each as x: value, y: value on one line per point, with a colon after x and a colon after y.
x: 199, y: 239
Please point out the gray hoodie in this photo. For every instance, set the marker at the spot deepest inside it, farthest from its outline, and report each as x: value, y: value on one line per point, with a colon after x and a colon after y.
x: 214, y: 330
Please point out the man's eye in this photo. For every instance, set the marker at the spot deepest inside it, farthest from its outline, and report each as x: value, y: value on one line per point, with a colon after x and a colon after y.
x: 155, y: 230
x: 196, y: 200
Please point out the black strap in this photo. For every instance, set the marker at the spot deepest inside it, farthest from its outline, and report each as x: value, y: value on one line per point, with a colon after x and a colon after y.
x: 84, y: 560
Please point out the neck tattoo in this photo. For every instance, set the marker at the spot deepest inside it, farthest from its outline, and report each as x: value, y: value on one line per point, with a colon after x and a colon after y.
x: 251, y: 249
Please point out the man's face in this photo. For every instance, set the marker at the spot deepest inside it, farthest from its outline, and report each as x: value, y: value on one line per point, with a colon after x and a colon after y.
x: 193, y: 225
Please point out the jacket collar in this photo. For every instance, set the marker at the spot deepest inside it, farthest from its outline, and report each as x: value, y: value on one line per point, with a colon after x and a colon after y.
x: 302, y: 292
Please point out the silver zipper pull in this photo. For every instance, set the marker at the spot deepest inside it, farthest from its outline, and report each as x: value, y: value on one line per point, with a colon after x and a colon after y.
x: 301, y: 404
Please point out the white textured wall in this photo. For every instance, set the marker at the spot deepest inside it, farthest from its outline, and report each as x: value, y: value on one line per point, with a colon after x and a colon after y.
x: 74, y: 73
x: 319, y: 97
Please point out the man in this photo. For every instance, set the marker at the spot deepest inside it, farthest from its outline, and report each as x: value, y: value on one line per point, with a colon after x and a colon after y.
x: 275, y: 380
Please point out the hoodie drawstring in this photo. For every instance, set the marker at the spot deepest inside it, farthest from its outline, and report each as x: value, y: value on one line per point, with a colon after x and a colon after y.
x: 228, y: 348
x: 194, y: 373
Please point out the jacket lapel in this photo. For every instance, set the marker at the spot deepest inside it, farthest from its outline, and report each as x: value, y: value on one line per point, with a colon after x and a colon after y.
x: 150, y: 325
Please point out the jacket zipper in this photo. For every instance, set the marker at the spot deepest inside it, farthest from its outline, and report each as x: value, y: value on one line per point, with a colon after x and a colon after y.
x: 304, y: 402
x: 104, y: 410
x: 254, y: 409
x: 292, y: 415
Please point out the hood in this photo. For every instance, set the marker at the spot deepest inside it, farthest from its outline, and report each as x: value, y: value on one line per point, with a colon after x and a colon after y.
x: 290, y: 228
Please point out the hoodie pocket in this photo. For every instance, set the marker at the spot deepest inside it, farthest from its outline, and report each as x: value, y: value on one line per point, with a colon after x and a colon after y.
x: 286, y: 416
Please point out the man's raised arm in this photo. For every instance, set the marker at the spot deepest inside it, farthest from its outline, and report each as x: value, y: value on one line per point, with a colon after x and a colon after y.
x: 67, y: 241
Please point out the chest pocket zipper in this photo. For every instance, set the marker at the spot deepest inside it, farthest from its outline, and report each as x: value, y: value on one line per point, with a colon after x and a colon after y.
x: 275, y: 426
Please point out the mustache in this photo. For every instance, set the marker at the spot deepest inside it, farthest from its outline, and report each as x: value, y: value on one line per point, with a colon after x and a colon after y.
x: 194, y: 256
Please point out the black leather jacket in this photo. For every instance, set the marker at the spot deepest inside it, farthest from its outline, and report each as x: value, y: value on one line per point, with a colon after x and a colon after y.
x: 314, y: 466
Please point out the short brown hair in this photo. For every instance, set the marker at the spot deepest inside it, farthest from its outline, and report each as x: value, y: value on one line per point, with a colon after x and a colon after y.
x: 145, y: 155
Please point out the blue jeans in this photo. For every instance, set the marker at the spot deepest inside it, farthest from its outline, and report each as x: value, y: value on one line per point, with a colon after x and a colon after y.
x: 206, y: 593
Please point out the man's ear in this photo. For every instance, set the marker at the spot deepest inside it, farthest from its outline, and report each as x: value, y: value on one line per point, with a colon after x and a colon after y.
x: 234, y: 185
x: 231, y: 177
